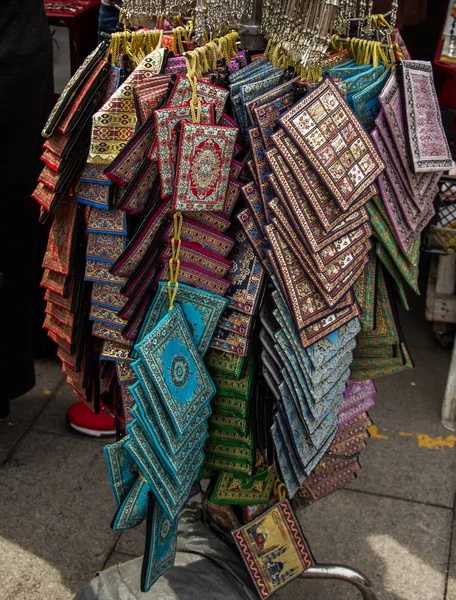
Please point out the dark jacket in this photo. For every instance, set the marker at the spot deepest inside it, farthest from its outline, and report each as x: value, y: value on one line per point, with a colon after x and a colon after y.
x: 25, y: 98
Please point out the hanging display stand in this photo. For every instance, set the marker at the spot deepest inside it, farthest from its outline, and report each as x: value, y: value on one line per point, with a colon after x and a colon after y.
x: 301, y: 438
x: 253, y: 40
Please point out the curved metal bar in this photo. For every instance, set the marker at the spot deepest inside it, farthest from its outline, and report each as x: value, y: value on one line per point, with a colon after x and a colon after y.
x: 353, y: 576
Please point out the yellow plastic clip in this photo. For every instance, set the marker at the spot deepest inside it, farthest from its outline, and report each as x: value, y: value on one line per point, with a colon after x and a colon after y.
x: 140, y: 473
x: 368, y: 52
x: 174, y: 261
x: 279, y: 490
x: 114, y: 47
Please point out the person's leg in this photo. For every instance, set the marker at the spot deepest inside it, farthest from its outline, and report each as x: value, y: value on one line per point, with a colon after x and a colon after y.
x: 25, y: 100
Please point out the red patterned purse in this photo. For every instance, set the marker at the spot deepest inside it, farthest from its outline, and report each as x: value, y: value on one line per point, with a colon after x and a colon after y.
x: 203, y: 167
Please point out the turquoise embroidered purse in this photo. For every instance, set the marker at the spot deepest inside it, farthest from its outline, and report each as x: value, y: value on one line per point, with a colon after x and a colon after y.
x: 366, y: 103
x: 160, y: 551
x: 133, y: 510
x: 168, y: 491
x: 173, y: 461
x: 176, y: 368
x: 202, y: 311
x: 121, y: 468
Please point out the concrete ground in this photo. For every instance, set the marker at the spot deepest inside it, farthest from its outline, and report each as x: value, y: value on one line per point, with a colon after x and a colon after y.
x: 395, y: 523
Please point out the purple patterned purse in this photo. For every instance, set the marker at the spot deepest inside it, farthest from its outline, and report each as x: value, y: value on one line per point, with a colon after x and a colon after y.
x: 175, y: 65
x: 428, y: 146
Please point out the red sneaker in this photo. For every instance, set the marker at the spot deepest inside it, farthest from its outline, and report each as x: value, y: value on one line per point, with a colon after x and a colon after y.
x: 83, y: 420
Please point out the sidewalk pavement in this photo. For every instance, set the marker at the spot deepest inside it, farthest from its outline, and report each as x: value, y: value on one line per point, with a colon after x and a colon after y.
x: 395, y: 523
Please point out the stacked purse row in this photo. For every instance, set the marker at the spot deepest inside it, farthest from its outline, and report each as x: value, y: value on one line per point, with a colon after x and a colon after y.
x: 67, y: 130
x: 283, y: 227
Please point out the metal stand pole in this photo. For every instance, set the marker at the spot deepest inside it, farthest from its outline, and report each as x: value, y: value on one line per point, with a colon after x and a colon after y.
x: 250, y: 32
x: 348, y: 574
x: 449, y: 401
